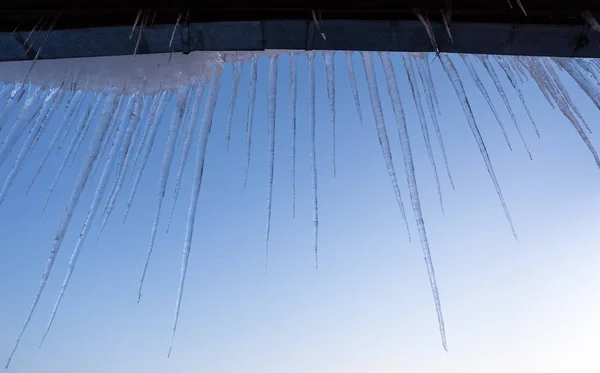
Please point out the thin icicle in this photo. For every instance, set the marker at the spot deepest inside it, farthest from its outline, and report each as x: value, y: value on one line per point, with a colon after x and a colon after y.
x: 293, y: 99
x: 205, y: 126
x: 63, y: 128
x: 460, y: 91
x: 430, y: 85
x: 140, y: 33
x: 384, y: 141
x: 237, y: 75
x: 125, y: 156
x: 330, y: 69
x: 412, y: 80
x: 312, y: 152
x: 187, y: 144
x: 564, y: 92
x: 75, y: 142
x: 109, y: 110
x: 137, y: 19
x: 271, y: 110
x: 145, y: 131
x: 174, y: 30
x: 28, y: 113
x: 84, y: 172
x: 486, y: 95
x: 521, y: 7
x: 412, y: 180
x: 500, y: 90
x: 71, y: 118
x: 147, y: 147
x: 432, y: 112
x: 39, y: 122
x: 165, y: 169
x: 515, y: 84
x: 591, y: 20
x: 90, y: 115
x: 425, y: 21
x: 250, y: 115
x: 353, y: 85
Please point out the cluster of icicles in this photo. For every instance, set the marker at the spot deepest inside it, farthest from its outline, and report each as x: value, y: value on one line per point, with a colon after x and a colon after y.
x: 123, y: 125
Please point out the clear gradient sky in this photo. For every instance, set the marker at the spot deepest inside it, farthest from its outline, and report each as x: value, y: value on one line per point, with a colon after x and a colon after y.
x: 530, y: 306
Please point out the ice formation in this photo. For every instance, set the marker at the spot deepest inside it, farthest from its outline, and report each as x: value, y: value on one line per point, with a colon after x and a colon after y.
x: 120, y: 104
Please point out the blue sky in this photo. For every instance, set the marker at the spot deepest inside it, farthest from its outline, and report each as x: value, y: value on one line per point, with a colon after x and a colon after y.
x: 508, y: 306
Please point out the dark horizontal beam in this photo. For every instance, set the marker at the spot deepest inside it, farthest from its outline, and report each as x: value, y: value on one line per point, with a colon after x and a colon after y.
x: 103, y: 28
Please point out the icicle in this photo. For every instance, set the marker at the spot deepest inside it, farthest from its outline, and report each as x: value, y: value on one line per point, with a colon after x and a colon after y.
x: 91, y: 155
x: 330, y: 68
x: 147, y: 147
x: 18, y: 163
x: 412, y: 80
x: 125, y: 156
x: 145, y: 131
x: 28, y: 113
x: 189, y: 135
x: 109, y: 109
x: 237, y: 75
x: 498, y: 86
x: 271, y: 110
x: 207, y: 117
x: 410, y: 174
x: 425, y: 21
x: 250, y: 115
x: 432, y: 113
x: 137, y: 19
x: 64, y: 127
x: 521, y: 7
x: 430, y: 85
x: 174, y: 30
x: 446, y: 16
x: 513, y: 82
x: 293, y: 99
x: 353, y: 85
x: 312, y: 151
x: 165, y: 168
x: 90, y: 115
x: 564, y: 92
x: 75, y: 142
x: 581, y: 77
x: 485, y: 94
x: 142, y: 26
x: 542, y: 79
x: 68, y: 119
x: 318, y: 25
x: 460, y: 91
x: 381, y: 131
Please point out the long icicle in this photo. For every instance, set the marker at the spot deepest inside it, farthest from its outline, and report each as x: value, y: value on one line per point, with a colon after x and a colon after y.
x: 412, y: 80
x: 412, y: 180
x: 187, y: 144
x: 353, y: 85
x: 84, y: 172
x: 147, y: 147
x: 125, y: 156
x: 271, y: 111
x: 75, y: 142
x: 39, y: 122
x: 384, y: 141
x: 165, y: 169
x: 293, y: 99
x: 496, y: 80
x: 330, y: 69
x: 109, y: 109
x: 486, y: 95
x: 425, y: 83
x: 68, y: 117
x: 237, y: 76
x: 205, y: 126
x: 513, y: 81
x: 250, y: 114
x: 460, y: 92
x: 312, y: 152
